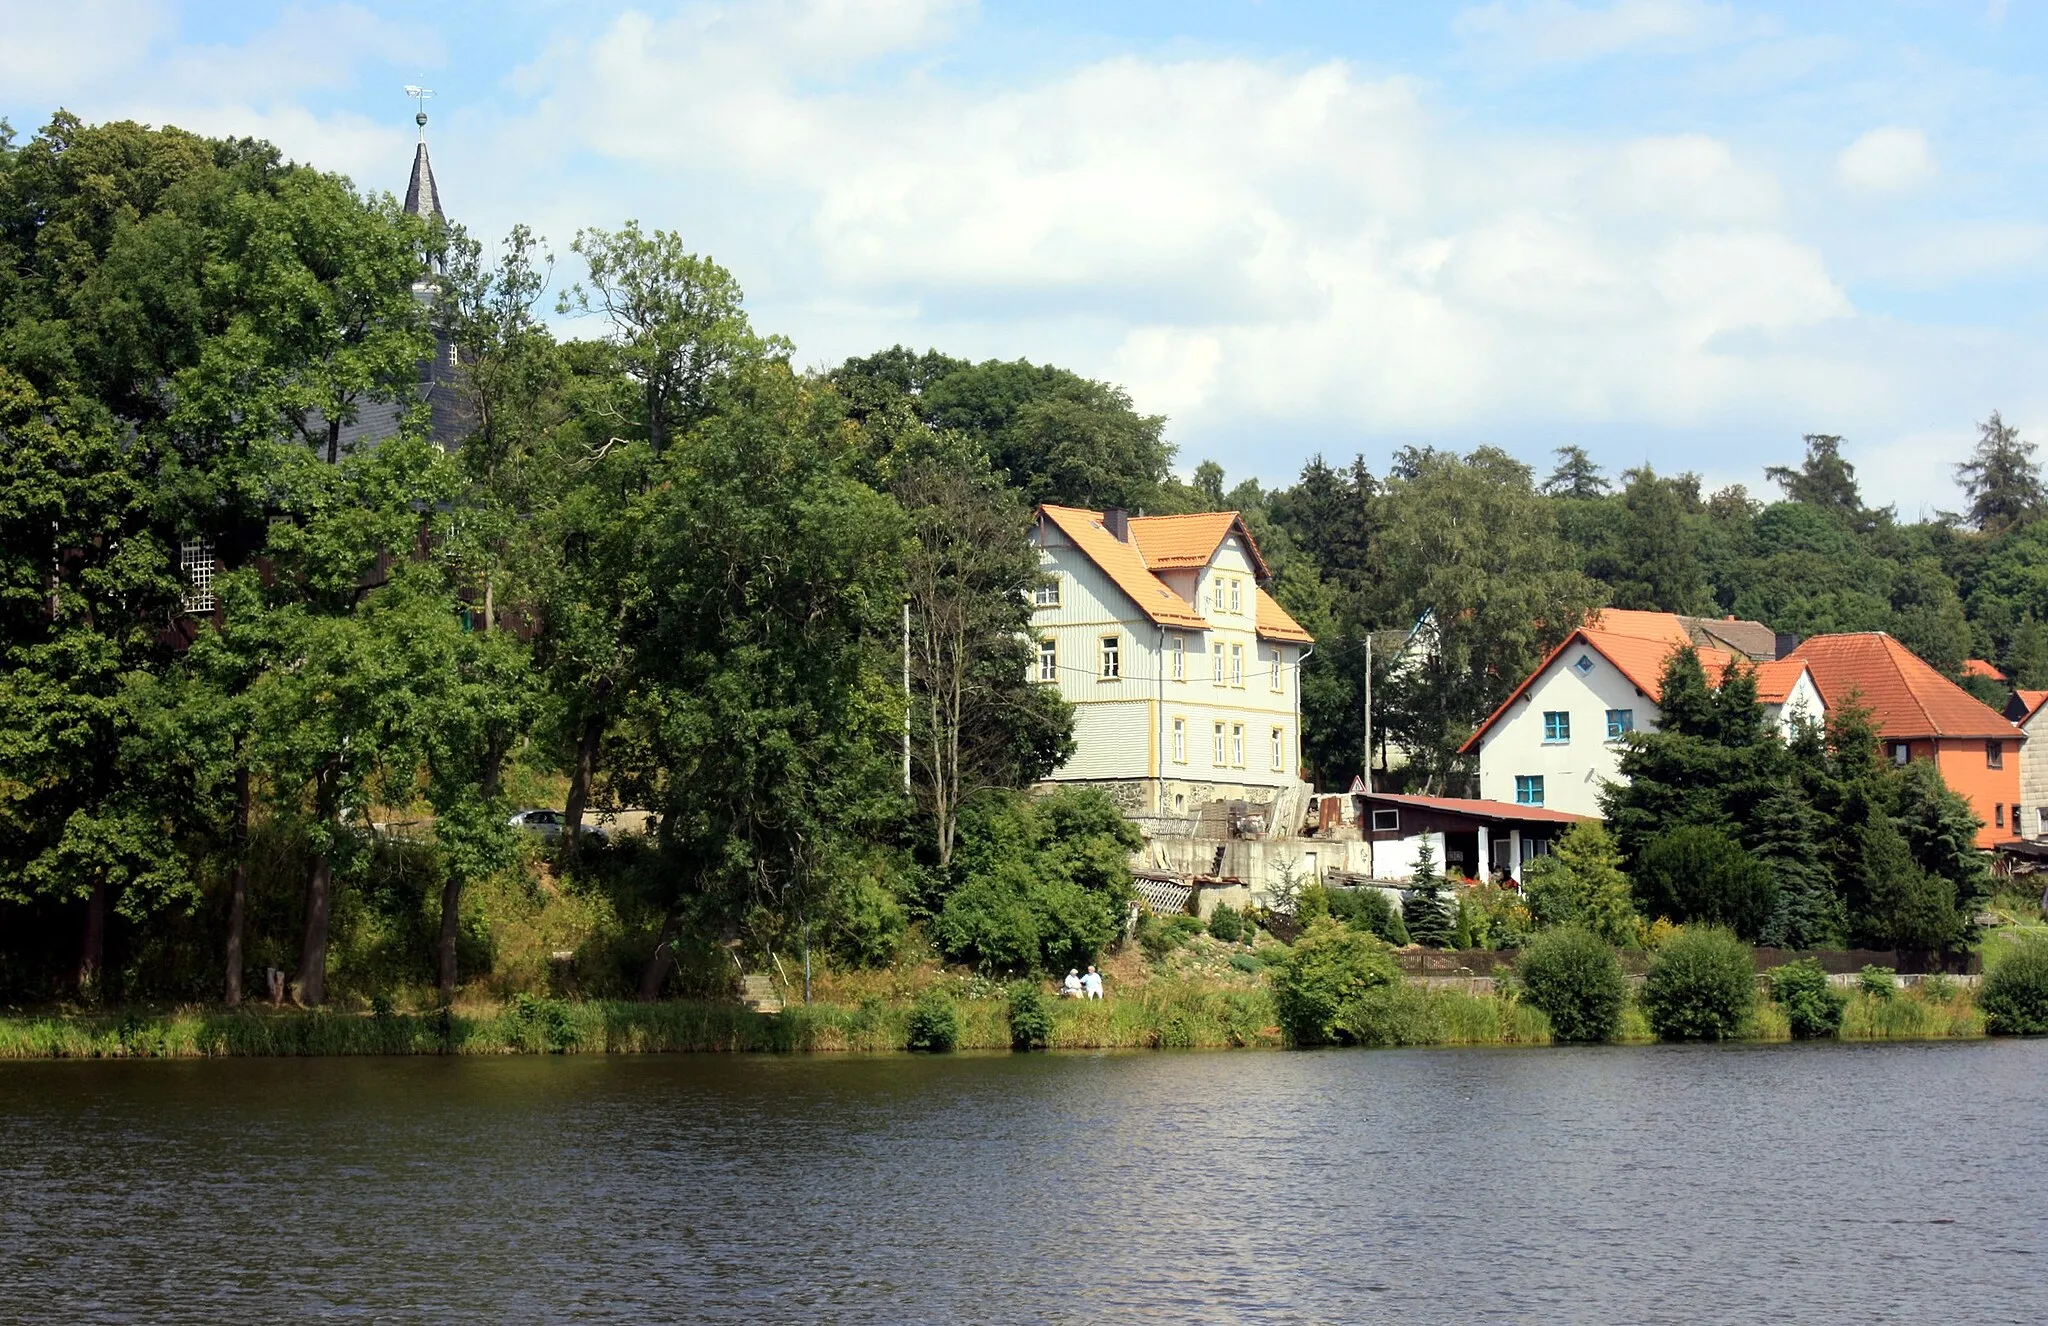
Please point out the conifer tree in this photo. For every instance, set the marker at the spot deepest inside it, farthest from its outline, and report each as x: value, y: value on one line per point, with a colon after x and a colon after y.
x: 1424, y: 910
x: 1785, y: 836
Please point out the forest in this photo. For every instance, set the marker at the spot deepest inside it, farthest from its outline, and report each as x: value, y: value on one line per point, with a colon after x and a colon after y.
x: 667, y: 568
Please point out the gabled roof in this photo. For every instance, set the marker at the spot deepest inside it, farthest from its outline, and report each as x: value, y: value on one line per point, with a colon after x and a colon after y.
x: 1276, y: 624
x: 1755, y: 639
x: 2024, y: 705
x: 1178, y: 543
x: 1775, y: 680
x: 1124, y: 564
x: 1977, y: 667
x: 1906, y: 696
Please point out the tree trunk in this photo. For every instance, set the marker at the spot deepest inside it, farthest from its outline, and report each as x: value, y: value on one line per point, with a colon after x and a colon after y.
x: 451, y: 924
x: 238, y: 890
x: 333, y: 442
x: 579, y: 785
x: 312, y: 975
x: 662, y: 961
x: 92, y: 953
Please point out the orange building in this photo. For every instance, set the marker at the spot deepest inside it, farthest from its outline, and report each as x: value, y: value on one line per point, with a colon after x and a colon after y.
x: 1922, y: 715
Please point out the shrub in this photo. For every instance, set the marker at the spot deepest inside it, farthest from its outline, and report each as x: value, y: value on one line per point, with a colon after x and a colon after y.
x: 1570, y: 973
x: 1702, y: 985
x: 864, y: 922
x: 1329, y: 968
x: 1040, y: 885
x: 1813, y: 1006
x: 1247, y: 962
x: 2015, y: 995
x: 934, y: 1023
x: 1161, y: 935
x: 1936, y: 987
x: 1423, y: 909
x: 1878, y: 982
x: 1227, y: 924
x: 1581, y: 883
x: 1696, y: 873
x: 1368, y: 909
x: 1310, y: 902
x: 1030, y: 1017
x: 1390, y: 1015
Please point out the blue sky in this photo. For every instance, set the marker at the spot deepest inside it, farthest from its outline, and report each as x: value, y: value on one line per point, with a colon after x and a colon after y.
x: 1675, y: 232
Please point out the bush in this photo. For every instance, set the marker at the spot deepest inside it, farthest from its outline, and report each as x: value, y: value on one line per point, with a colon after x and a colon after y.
x: 1227, y: 924
x: 1039, y: 885
x: 1813, y: 1007
x: 2015, y: 994
x: 1330, y: 967
x: 1571, y: 974
x: 1878, y: 982
x: 1030, y: 1017
x: 1161, y: 935
x: 1696, y: 873
x: 1247, y: 962
x: 1391, y: 1015
x: 864, y: 922
x: 1702, y: 985
x: 1423, y: 910
x: 1580, y: 883
x: 1368, y: 909
x: 934, y: 1023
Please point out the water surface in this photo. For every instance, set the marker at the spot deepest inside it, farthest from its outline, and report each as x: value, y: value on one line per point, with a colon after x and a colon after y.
x: 1809, y: 1183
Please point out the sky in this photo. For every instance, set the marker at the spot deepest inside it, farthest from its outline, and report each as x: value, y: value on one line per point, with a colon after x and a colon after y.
x: 1676, y: 233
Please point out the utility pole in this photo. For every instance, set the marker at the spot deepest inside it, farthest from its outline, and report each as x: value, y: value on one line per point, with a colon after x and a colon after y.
x: 1368, y: 709
x: 906, y: 697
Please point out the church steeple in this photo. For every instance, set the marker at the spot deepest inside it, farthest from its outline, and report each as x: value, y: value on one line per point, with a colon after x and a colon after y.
x: 422, y: 195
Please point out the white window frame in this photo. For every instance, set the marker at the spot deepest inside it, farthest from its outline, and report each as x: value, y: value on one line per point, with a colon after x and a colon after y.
x: 1237, y: 745
x: 1048, y: 659
x: 1237, y: 665
x: 1216, y: 655
x: 1180, y: 741
x: 1236, y: 594
x: 1112, y: 658
x: 1391, y: 823
x: 1180, y: 658
x: 1276, y: 667
x: 1046, y: 594
x: 1279, y: 749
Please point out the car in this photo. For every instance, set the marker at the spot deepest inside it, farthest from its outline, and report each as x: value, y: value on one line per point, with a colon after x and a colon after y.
x: 550, y: 823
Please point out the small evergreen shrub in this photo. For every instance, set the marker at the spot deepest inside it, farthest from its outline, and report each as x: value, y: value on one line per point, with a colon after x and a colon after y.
x: 1329, y: 968
x: 1424, y: 911
x: 1247, y: 962
x: 1227, y: 924
x: 1877, y: 982
x: 1311, y: 901
x: 1161, y: 935
x: 1030, y: 1017
x: 1702, y: 986
x: 1698, y: 873
x: 1571, y: 974
x: 1368, y: 909
x: 1813, y: 1007
x: 2015, y: 995
x: 934, y: 1024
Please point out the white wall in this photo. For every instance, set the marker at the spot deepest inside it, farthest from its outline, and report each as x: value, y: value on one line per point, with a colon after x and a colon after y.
x: 2034, y: 775
x: 1573, y: 772
x: 1804, y: 701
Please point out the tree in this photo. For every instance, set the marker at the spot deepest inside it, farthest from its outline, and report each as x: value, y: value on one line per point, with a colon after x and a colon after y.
x: 1659, y: 567
x: 674, y: 317
x: 1039, y: 885
x: 1697, y: 873
x: 1423, y: 909
x: 1823, y: 479
x: 1785, y: 835
x: 977, y: 721
x: 2001, y: 478
x: 1576, y: 476
x: 1581, y: 883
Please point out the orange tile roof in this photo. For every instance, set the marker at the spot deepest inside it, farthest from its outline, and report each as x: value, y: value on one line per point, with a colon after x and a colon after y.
x: 1905, y: 695
x: 1275, y: 623
x: 2033, y: 700
x: 1125, y: 564
x: 1178, y: 543
x: 1775, y: 680
x: 1977, y: 667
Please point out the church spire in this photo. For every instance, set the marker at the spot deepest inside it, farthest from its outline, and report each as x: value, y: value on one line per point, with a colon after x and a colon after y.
x: 422, y: 196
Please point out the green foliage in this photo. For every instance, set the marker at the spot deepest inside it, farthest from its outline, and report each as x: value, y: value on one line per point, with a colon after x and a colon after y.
x: 1813, y: 1007
x: 1030, y: 1017
x: 1227, y: 924
x: 934, y: 1024
x: 2014, y: 995
x: 1571, y: 974
x: 1042, y: 883
x: 1161, y: 935
x: 1701, y: 985
x: 1323, y: 975
x: 1695, y: 873
x: 864, y: 922
x: 1424, y: 911
x: 1581, y: 883
x: 1878, y: 982
x: 1367, y: 909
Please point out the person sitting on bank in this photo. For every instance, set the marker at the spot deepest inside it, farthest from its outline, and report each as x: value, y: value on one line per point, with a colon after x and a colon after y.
x: 1071, y: 987
x: 1091, y: 984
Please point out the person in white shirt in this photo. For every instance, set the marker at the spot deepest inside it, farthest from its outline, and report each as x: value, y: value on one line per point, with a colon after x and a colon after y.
x: 1092, y: 983
x: 1071, y: 987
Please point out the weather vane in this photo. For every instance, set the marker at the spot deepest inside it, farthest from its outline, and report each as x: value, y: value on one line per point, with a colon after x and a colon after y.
x: 420, y: 94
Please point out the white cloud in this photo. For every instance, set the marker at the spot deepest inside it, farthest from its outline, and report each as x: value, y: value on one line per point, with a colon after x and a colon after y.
x: 47, y: 52
x: 1883, y: 161
x: 1557, y: 32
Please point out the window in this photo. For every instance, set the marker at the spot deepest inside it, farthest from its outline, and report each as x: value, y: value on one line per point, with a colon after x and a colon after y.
x: 1237, y: 745
x: 1216, y: 655
x: 1279, y: 749
x: 1112, y: 658
x: 195, y: 562
x: 1276, y: 667
x: 1994, y: 754
x: 1528, y: 789
x: 1901, y: 752
x: 1180, y: 658
x: 1236, y: 590
x: 1219, y: 746
x: 1620, y: 722
x: 2041, y: 819
x: 1386, y: 821
x: 1047, y: 593
x: 1584, y: 664
x: 1237, y: 665
x: 1180, y: 741
x: 1557, y: 726
x: 1048, y: 660
x: 1998, y: 815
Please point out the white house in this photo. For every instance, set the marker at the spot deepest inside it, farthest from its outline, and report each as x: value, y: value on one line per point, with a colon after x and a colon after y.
x: 1183, y: 671
x: 2030, y: 816
x: 1556, y: 742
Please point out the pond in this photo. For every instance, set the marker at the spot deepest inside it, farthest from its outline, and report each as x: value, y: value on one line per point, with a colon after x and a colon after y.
x: 1850, y: 1183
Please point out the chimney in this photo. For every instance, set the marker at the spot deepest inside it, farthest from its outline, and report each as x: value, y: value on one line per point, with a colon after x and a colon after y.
x: 1118, y: 522
x: 1786, y: 644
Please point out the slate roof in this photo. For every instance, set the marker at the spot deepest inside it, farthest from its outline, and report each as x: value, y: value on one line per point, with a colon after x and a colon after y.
x: 1906, y: 696
x: 422, y: 195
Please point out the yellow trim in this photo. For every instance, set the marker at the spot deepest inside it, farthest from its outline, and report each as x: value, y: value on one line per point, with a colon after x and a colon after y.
x: 1152, y: 739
